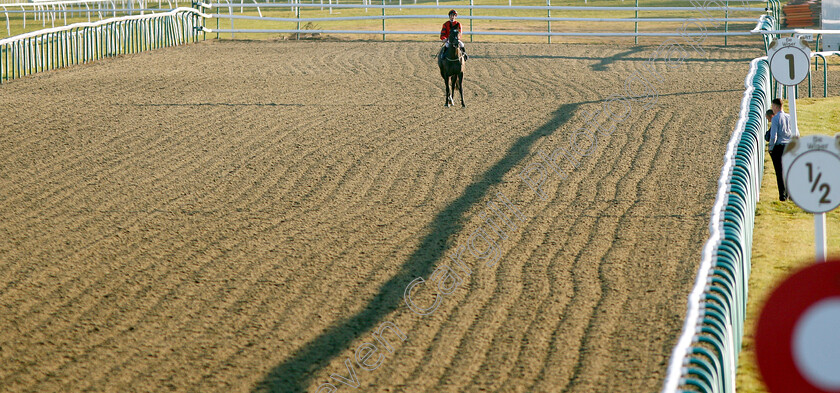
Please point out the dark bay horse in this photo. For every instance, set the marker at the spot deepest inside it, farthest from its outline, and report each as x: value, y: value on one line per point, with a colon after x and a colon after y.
x: 451, y: 65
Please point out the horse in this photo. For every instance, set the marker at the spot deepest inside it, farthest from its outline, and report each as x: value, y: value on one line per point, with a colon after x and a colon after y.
x: 451, y: 65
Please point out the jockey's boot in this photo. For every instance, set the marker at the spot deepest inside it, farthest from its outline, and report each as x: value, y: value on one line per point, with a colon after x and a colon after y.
x: 464, y: 52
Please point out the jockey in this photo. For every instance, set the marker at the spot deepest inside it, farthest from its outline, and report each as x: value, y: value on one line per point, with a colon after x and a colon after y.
x: 444, y: 33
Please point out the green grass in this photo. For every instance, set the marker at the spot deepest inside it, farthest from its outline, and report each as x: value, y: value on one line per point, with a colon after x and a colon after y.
x: 784, y: 235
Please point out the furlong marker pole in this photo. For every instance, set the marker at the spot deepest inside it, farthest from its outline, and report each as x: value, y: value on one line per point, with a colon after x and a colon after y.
x: 820, y: 248
x: 791, y: 90
x: 819, y: 237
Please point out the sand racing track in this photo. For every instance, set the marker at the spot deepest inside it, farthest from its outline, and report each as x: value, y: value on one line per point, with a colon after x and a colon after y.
x: 242, y: 216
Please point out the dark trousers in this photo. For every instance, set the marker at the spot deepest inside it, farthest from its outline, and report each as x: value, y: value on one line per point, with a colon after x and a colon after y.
x: 776, y: 156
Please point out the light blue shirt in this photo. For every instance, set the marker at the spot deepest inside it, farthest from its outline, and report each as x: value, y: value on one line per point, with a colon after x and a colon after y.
x: 780, y: 133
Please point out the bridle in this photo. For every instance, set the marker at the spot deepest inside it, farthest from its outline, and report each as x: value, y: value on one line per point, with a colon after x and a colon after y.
x: 454, y: 45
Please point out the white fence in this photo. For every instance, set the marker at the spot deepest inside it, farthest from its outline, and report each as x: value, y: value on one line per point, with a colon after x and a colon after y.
x: 79, y: 43
x: 713, y: 11
x: 701, y: 9
x: 52, y: 12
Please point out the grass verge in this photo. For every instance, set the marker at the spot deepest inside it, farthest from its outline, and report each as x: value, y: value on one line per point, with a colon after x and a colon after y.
x: 784, y: 235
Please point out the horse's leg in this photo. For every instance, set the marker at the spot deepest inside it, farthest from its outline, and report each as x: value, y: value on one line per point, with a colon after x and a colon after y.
x: 448, y: 98
x: 454, y: 85
x: 461, y: 88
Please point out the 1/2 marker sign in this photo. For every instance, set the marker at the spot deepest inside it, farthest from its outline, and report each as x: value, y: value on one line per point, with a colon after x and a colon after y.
x: 790, y: 59
x: 812, y: 172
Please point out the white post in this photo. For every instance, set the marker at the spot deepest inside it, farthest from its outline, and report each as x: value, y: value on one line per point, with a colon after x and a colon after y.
x: 819, y: 236
x: 791, y: 90
x: 819, y: 218
x: 230, y: 10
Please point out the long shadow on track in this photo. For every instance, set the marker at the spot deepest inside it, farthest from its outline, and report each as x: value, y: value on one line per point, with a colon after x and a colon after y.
x: 294, y: 374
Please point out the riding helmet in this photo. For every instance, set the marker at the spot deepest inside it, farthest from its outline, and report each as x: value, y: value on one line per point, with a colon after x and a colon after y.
x: 453, y: 12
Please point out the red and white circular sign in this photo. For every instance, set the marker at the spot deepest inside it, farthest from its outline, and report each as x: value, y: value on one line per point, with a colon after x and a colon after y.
x: 797, y: 341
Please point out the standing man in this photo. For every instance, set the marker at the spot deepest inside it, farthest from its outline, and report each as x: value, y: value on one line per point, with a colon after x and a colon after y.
x: 444, y: 33
x: 780, y: 136
x: 769, y: 116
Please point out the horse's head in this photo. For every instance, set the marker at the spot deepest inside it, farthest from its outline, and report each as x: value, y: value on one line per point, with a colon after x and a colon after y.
x: 453, y: 36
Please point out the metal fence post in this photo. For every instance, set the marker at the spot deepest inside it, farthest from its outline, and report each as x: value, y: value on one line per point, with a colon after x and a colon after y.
x: 24, y: 56
x: 809, y: 82
x: 636, y: 23
x: 19, y: 55
x: 726, y: 24
x: 471, y: 21
x: 383, y: 20
x: 548, y: 3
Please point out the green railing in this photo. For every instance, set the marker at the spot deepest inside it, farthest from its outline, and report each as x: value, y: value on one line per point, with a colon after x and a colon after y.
x: 775, y: 8
x: 705, y: 358
x: 79, y: 43
x: 766, y: 23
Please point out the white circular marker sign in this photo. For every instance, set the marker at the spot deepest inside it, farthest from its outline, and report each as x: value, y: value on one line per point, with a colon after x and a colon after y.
x: 797, y: 343
x: 811, y: 165
x: 790, y: 59
x: 816, y: 344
